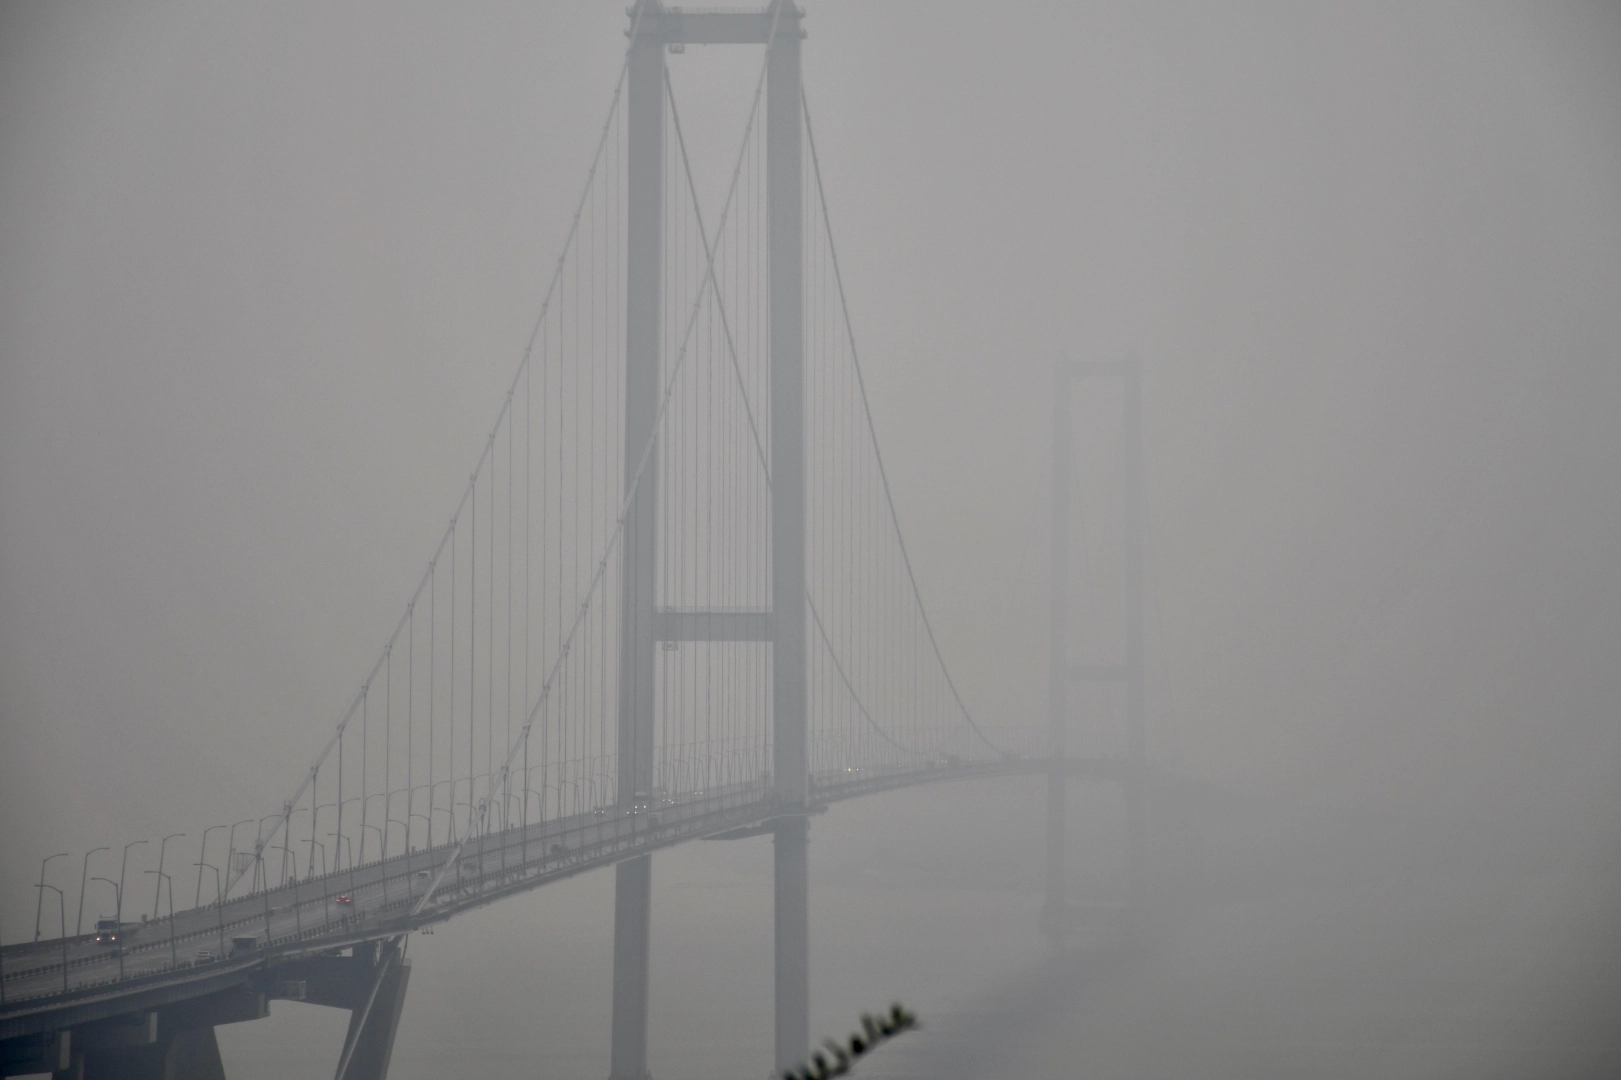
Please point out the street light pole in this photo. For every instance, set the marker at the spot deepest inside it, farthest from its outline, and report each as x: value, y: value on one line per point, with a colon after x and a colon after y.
x: 156, y: 893
x: 62, y: 918
x: 218, y: 899
x: 313, y: 845
x: 286, y: 844
x: 287, y: 855
x: 78, y: 926
x: 326, y: 881
x: 230, y: 853
x: 219, y: 903
x: 338, y: 850
x: 403, y: 825
x: 380, y: 842
x: 40, y: 899
x: 165, y: 879
x: 260, y: 839
x: 338, y: 831
x: 122, y: 866
x: 382, y: 835
x: 315, y: 819
x: 202, y: 857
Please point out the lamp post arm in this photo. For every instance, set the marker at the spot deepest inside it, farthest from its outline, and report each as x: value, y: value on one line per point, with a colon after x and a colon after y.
x: 62, y: 920
x: 40, y: 899
x: 158, y: 892
x: 78, y: 925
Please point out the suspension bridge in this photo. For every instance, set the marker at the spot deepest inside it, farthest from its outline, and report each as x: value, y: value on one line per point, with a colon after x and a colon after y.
x: 673, y: 601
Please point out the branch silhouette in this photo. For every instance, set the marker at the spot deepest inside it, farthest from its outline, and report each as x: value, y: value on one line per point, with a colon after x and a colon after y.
x: 839, y: 1060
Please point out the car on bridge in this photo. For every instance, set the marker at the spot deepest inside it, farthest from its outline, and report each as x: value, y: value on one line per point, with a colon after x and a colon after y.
x: 345, y: 899
x: 108, y: 931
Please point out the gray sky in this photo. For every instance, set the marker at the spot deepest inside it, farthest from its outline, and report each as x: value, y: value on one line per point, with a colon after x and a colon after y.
x: 266, y: 270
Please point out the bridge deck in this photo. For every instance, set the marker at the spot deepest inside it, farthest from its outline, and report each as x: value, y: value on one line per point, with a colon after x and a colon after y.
x: 303, y: 918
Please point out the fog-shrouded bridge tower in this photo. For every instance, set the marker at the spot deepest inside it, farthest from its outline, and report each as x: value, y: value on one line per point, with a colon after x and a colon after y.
x: 654, y: 29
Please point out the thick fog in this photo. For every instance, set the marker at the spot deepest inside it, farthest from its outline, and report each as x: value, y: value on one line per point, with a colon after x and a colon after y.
x: 265, y: 273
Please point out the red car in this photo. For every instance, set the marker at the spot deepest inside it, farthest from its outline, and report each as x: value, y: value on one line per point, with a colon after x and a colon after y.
x: 346, y: 899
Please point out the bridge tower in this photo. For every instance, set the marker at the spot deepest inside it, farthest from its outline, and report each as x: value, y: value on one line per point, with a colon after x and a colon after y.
x: 1057, y: 914
x: 653, y: 30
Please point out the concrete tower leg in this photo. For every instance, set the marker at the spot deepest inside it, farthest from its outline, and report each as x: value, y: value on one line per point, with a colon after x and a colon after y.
x: 792, y: 922
x: 633, y: 911
x: 1054, y: 913
x: 633, y: 881
x: 790, y: 774
x: 1136, y: 724
x: 372, y: 1031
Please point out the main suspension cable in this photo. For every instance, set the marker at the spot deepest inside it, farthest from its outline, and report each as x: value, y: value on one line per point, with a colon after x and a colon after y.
x: 872, y: 431
x: 748, y: 411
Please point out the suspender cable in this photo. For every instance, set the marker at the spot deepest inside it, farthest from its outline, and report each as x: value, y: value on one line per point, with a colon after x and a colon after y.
x: 308, y: 779
x: 502, y: 776
x: 754, y: 430
x: 866, y: 406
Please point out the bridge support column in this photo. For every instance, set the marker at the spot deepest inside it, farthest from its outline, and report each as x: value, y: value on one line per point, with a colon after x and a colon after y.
x: 371, y: 1031
x: 1136, y: 725
x: 792, y: 885
x: 1054, y: 912
x: 790, y: 768
x: 1057, y: 913
x: 633, y: 912
x: 633, y: 883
